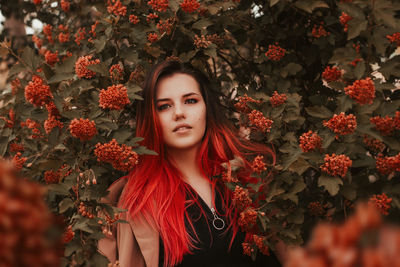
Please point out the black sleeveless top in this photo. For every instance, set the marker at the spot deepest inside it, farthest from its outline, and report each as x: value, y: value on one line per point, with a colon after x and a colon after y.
x: 212, y: 250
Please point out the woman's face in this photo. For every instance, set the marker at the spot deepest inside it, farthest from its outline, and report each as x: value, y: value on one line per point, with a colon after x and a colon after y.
x: 181, y: 111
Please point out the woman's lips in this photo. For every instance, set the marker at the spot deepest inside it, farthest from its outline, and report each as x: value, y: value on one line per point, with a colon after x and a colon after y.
x: 182, y: 128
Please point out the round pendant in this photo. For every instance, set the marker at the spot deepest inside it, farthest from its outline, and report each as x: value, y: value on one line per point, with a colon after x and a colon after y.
x: 218, y: 223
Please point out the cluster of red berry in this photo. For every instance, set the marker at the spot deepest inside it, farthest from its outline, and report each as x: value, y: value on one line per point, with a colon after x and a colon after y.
x: 84, y: 129
x: 37, y: 92
x: 51, y: 58
x: 158, y: 5
x: 318, y: 32
x: 331, y: 74
x: 65, y: 5
x: 80, y: 35
x: 362, y: 91
x: 152, y: 37
x: 374, y: 144
x: 258, y: 120
x: 277, y: 99
x: 336, y: 165
x: 201, y: 41
x: 260, y: 242
x: 394, y: 38
x: 241, y: 105
x: 275, y: 52
x: 34, y: 126
x: 51, y: 122
x: 310, y: 141
x: 388, y: 165
x: 386, y: 125
x: 81, y: 66
x: 19, y: 161
x: 116, y: 72
x: 342, y: 124
x: 344, y: 19
x: 247, y: 219
x: 165, y: 26
x: 48, y: 32
x: 381, y: 202
x: 116, y: 7
x: 25, y: 223
x: 122, y: 157
x: 189, y: 6
x: 258, y: 165
x: 53, y: 177
x: 115, y: 97
x: 350, y: 243
x: 134, y: 19
x: 241, y: 198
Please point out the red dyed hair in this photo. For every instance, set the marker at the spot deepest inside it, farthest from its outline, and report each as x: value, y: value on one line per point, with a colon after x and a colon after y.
x: 155, y: 188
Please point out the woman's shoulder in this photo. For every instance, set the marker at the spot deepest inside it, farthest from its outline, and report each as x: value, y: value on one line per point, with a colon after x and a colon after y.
x: 115, y: 191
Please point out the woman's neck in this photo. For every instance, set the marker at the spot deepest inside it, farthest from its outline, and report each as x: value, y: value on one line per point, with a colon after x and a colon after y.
x: 186, y: 162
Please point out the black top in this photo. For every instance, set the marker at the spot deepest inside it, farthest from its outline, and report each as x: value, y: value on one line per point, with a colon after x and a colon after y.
x: 213, y: 246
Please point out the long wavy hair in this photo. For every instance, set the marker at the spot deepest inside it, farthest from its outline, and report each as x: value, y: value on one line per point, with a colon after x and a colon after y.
x: 155, y: 188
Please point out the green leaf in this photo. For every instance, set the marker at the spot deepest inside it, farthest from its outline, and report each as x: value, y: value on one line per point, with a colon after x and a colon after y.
x: 391, y: 68
x: 99, y: 68
x: 366, y: 129
x: 359, y: 70
x: 296, y: 217
x: 310, y: 5
x: 211, y: 51
x: 141, y: 150
x: 82, y: 224
x: 16, y: 69
x: 30, y: 58
x: 343, y: 55
x: 349, y: 192
x: 3, y: 145
x: 202, y: 24
x: 67, y: 66
x: 59, y: 189
x: 344, y: 104
x: 331, y: 184
x: 72, y: 247
x: 122, y: 135
x: 293, y: 68
x: 319, y: 112
x: 288, y: 160
x: 187, y: 56
x: 384, y: 11
x: 130, y: 54
x: 365, y: 161
x: 274, y: 191
x: 273, y: 2
x: 368, y: 109
x: 100, y: 43
x: 299, y: 166
x: 98, y: 260
x: 65, y: 204
x: 356, y: 26
x: 174, y: 5
x: 262, y: 220
x: 58, y: 77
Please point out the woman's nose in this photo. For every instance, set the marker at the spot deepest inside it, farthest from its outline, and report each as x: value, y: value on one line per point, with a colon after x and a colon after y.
x: 179, y: 112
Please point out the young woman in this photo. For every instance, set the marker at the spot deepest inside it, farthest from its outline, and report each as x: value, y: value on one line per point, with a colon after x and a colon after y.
x: 178, y: 213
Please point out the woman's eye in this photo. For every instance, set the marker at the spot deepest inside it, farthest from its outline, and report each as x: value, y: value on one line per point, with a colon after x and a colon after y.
x: 191, y: 101
x: 162, y: 107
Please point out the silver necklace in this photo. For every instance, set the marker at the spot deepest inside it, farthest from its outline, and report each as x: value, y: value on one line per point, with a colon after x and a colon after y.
x: 218, y: 223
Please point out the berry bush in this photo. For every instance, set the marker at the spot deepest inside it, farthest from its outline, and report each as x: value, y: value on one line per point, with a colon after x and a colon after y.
x: 316, y: 80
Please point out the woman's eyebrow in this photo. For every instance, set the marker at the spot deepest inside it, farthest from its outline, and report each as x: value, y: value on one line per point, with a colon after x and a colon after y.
x: 185, y: 95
